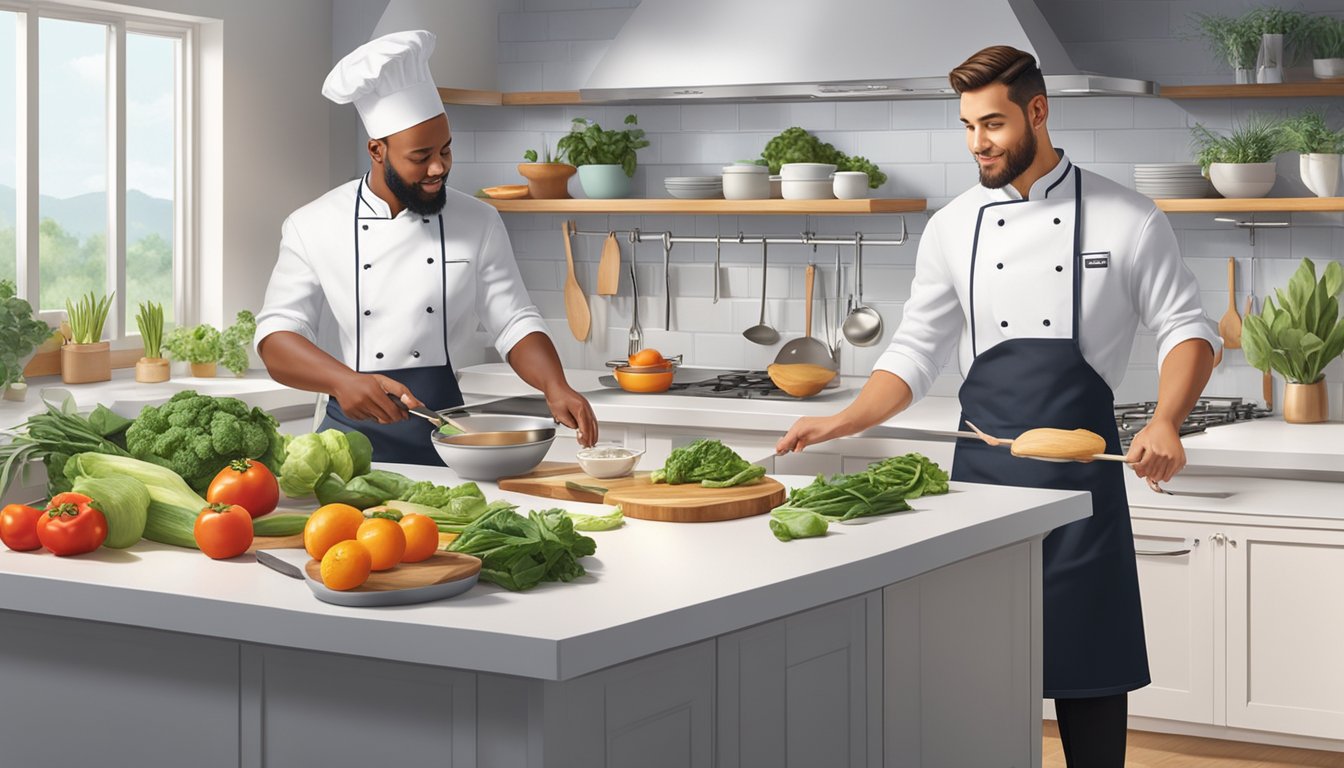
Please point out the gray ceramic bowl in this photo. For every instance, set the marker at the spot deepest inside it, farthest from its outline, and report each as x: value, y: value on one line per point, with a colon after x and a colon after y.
x: 491, y: 462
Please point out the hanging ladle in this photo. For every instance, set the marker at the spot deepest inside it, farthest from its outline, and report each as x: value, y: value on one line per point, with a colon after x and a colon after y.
x: 761, y: 333
x: 863, y: 327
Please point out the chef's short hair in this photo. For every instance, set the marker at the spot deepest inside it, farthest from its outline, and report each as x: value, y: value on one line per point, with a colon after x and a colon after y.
x: 1000, y: 64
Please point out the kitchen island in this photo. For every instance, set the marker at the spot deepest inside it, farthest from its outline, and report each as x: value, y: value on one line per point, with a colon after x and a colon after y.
x: 884, y: 643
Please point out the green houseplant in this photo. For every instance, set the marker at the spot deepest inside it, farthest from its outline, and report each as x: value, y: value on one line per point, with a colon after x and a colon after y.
x: 795, y: 145
x: 20, y: 336
x: 1283, y: 38
x: 1240, y: 164
x: 547, y: 176
x: 1233, y: 39
x: 1299, y: 337
x: 606, y: 159
x: 152, y: 367
x: 87, y: 357
x: 236, y: 340
x: 200, y: 346
x: 1325, y: 40
x: 1320, y: 148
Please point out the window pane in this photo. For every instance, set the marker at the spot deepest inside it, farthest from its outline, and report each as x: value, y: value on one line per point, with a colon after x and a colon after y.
x: 9, y: 111
x: 72, y: 160
x: 150, y: 152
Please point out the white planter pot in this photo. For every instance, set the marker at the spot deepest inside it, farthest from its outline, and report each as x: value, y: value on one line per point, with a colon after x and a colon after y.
x: 1328, y: 69
x: 1242, y: 179
x: 1320, y: 172
x: 1269, y: 64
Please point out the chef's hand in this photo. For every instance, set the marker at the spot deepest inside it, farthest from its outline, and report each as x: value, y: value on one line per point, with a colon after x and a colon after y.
x: 572, y: 409
x: 809, y: 430
x: 364, y: 396
x: 1157, y: 452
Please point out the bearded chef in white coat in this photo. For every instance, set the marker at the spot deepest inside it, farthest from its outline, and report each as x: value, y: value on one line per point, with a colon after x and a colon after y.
x: 396, y: 265
x: 1039, y: 277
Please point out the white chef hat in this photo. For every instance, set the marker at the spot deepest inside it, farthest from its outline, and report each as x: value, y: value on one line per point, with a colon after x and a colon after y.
x: 389, y: 82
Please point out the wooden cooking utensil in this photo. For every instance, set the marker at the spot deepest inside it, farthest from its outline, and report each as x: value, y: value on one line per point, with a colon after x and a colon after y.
x: 609, y: 267
x: 1230, y: 326
x: 576, y: 305
x: 996, y: 441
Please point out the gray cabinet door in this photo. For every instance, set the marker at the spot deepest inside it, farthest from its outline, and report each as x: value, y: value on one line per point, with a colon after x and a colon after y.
x: 804, y: 690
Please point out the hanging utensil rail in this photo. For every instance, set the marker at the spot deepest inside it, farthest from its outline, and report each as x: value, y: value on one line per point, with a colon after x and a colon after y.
x: 642, y: 235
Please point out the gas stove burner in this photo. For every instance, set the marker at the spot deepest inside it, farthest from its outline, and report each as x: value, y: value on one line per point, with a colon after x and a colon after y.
x: 754, y: 385
x: 1207, y: 412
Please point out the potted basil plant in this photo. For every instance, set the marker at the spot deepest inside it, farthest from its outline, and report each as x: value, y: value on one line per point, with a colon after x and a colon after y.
x: 606, y: 159
x: 86, y: 357
x: 153, y: 367
x: 547, y: 177
x: 1320, y: 149
x: 1299, y: 337
x: 200, y: 346
x: 1240, y: 164
x: 21, y: 335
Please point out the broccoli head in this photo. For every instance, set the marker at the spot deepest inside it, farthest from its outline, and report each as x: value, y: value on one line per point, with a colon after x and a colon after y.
x: 197, y: 435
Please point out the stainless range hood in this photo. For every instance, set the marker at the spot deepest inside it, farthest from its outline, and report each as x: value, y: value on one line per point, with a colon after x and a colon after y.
x: 794, y: 50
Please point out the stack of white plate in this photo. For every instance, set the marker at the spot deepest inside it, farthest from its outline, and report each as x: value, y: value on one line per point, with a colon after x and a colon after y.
x: 694, y: 187
x: 1168, y: 180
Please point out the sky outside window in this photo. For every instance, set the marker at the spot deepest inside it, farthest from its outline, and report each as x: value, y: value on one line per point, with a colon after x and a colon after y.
x: 150, y: 108
x: 8, y: 144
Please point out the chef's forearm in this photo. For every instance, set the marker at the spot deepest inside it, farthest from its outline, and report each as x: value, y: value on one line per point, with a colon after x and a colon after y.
x: 536, y: 362
x: 884, y: 395
x: 1185, y: 371
x: 296, y: 362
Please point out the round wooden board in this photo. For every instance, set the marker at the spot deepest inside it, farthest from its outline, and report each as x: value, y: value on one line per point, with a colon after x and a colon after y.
x: 695, y: 503
x: 440, y: 568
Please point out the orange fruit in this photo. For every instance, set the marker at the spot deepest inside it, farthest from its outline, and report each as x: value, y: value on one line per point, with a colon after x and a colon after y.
x: 385, y: 541
x: 346, y: 565
x: 647, y: 358
x: 422, y: 537
x: 329, y: 524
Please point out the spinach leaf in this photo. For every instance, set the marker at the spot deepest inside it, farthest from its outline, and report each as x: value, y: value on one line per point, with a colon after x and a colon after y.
x: 705, y: 462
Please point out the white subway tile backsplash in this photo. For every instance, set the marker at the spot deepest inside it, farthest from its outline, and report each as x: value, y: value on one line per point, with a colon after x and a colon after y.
x: 1080, y: 146
x: 567, y: 75
x: 891, y: 146
x: 709, y: 117
x: 1151, y: 145
x: 915, y: 115
x: 1158, y: 113
x: 863, y: 115
x: 532, y: 51
x: 949, y: 146
x: 600, y: 24
x: 521, y: 76
x: 520, y: 27
x: 774, y: 118
x: 1105, y: 113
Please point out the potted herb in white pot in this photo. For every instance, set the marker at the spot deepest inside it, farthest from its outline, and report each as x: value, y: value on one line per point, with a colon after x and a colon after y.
x: 200, y: 346
x: 20, y: 336
x: 606, y: 159
x: 1308, y: 134
x: 1326, y: 40
x: 1233, y: 39
x: 87, y: 357
x: 1282, y: 38
x: 1240, y: 164
x: 153, y: 367
x: 547, y: 176
x: 1299, y: 337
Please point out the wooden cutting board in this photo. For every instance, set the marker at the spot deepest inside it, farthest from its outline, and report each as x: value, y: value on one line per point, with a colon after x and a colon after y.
x: 440, y: 568
x: 639, y: 498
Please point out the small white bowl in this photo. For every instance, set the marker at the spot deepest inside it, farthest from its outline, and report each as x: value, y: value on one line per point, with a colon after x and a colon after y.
x: 812, y: 189
x: 605, y: 468
x: 806, y: 171
x: 851, y: 185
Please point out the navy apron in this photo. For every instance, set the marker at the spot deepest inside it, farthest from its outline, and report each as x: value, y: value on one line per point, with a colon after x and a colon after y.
x: 405, y: 441
x: 1093, y: 624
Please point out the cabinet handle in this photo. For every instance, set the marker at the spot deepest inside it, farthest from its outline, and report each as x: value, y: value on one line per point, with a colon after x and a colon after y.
x: 1156, y: 553
x: 1218, y: 538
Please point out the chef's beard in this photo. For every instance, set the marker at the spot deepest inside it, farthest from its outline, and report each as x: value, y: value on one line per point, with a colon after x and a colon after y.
x: 412, y: 197
x: 1016, y: 161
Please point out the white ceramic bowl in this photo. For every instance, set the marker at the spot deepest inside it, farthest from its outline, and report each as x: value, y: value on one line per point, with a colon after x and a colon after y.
x: 1242, y: 179
x: 818, y: 189
x: 604, y: 468
x: 850, y: 185
x: 776, y: 188
x: 491, y: 462
x: 806, y: 171
x: 746, y: 185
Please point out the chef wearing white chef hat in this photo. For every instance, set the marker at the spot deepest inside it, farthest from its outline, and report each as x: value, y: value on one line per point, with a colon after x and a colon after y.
x: 395, y: 265
x: 1039, y: 276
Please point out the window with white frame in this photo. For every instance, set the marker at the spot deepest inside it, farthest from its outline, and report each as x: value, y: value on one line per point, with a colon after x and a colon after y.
x: 94, y: 163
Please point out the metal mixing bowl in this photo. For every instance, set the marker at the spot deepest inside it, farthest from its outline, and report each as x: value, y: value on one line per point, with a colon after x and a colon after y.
x: 498, y: 446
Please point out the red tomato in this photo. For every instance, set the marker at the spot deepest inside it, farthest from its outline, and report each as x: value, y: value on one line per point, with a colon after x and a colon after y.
x: 71, y: 526
x: 223, y: 530
x: 247, y: 483
x: 18, y: 527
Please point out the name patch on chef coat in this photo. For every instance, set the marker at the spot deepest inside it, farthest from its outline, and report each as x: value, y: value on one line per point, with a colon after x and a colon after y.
x: 1099, y: 260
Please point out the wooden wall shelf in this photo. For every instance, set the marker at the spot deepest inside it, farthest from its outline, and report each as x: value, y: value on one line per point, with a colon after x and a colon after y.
x: 1254, y: 205
x: 516, y: 99
x: 1254, y: 90
x: 722, y: 207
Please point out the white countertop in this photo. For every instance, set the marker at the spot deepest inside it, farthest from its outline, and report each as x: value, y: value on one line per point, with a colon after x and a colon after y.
x: 650, y: 587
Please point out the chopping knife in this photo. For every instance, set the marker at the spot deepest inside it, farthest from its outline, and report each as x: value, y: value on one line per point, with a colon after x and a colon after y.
x: 280, y: 565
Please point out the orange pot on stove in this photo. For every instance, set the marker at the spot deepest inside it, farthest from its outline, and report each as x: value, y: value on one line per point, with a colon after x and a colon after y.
x: 644, y: 381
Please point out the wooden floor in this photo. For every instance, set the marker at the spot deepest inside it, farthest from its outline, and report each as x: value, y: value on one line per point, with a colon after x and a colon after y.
x: 1161, y: 750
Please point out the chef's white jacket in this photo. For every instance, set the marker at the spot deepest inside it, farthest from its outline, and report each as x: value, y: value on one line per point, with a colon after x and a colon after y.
x: 1133, y: 273
x: 404, y: 297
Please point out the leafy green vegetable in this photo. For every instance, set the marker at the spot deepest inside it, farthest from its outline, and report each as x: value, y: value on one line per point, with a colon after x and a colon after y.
x: 124, y: 501
x: 196, y: 435
x: 846, y: 497
x: 20, y: 333
x: 607, y: 522
x: 279, y: 524
x: 361, y: 451
x: 368, y: 490
x: 705, y: 462
x: 199, y: 344
x: 796, y: 145
x: 338, y: 453
x: 306, y: 464
x: 789, y: 523
x: 173, y: 505
x: 54, y: 436
x: 588, y: 144
x: 521, y: 552
x: 451, y: 508
x: 913, y: 474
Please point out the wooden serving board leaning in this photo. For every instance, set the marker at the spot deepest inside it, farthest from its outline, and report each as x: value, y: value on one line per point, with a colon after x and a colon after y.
x: 641, y: 499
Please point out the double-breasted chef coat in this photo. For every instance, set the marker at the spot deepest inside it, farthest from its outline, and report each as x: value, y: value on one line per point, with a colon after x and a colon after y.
x: 1043, y: 296
x: 393, y: 294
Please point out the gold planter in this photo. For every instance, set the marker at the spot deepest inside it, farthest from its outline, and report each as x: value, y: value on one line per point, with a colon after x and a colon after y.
x: 547, y: 181
x: 1305, y: 403
x: 84, y: 363
x: 151, y: 370
x: 203, y: 370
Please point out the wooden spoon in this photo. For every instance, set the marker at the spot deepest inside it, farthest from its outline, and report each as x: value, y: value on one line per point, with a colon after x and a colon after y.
x: 997, y: 441
x: 609, y: 268
x: 576, y: 305
x: 1230, y: 326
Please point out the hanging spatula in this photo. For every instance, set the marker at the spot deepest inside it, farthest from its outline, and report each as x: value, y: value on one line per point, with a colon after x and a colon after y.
x: 576, y: 304
x: 609, y: 267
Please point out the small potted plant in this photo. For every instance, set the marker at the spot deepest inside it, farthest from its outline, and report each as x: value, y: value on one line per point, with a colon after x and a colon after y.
x: 236, y: 341
x: 1325, y: 37
x: 1282, y: 33
x: 1299, y: 337
x: 547, y: 178
x: 606, y: 159
x: 20, y: 336
x: 200, y: 346
x: 1320, y: 149
x: 1240, y: 164
x: 87, y: 357
x: 152, y: 368
x: 1233, y: 39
